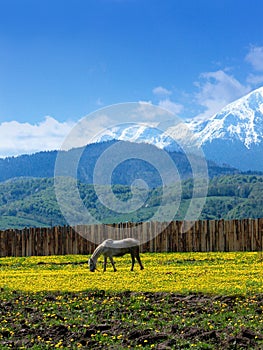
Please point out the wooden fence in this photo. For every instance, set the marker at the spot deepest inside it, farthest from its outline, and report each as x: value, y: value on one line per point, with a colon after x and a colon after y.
x: 178, y: 236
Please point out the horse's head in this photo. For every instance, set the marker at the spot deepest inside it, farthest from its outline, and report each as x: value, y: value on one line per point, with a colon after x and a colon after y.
x: 92, y: 265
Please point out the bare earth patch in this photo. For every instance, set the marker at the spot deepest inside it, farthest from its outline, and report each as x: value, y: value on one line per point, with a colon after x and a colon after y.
x: 129, y: 320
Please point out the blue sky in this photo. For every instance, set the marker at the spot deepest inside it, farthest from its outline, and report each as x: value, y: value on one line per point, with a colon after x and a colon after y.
x: 63, y: 59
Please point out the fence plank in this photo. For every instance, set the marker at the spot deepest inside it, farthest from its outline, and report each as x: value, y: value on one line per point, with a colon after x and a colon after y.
x: 3, y: 243
x: 177, y: 236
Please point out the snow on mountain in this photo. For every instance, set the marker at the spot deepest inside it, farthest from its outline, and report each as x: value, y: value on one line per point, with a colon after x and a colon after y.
x: 233, y: 136
x: 140, y: 133
x: 240, y: 120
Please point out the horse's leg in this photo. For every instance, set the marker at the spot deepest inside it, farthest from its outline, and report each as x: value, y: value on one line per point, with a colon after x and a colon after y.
x: 112, y: 263
x: 133, y: 261
x: 139, y: 260
x: 105, y: 263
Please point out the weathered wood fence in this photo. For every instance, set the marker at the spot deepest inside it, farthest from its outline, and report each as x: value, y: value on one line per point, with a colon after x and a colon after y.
x: 178, y: 236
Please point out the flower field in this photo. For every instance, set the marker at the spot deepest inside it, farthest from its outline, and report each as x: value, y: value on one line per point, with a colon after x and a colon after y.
x: 179, y: 301
x: 216, y: 273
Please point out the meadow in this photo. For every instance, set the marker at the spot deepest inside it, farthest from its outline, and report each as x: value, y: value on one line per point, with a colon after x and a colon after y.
x: 179, y: 301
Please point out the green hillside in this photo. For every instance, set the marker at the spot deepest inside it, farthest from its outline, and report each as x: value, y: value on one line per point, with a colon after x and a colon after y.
x: 32, y: 201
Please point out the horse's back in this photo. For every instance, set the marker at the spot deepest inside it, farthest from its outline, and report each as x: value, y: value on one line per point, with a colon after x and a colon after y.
x: 122, y: 243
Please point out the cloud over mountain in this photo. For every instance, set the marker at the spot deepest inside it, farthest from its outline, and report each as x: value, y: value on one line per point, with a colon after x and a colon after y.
x: 216, y: 90
x: 18, y: 138
x: 255, y: 57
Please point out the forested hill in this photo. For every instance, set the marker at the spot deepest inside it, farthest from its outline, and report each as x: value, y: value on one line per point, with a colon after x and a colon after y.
x: 42, y: 165
x: 32, y: 201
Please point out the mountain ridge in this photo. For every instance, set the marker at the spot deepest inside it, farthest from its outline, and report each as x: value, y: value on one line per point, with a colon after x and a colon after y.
x: 235, y: 134
x: 42, y: 164
x: 232, y: 136
x: 31, y: 202
x: 227, y: 122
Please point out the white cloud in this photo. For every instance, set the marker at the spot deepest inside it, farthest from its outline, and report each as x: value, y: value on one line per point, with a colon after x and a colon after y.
x: 255, y: 58
x: 216, y: 90
x: 255, y: 79
x: 20, y: 138
x: 171, y: 106
x: 146, y: 112
x: 161, y: 91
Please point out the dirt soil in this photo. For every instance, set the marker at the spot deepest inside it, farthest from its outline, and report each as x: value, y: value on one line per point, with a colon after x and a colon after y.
x: 128, y: 320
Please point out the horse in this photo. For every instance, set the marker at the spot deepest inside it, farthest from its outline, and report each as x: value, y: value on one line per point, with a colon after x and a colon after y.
x: 110, y: 248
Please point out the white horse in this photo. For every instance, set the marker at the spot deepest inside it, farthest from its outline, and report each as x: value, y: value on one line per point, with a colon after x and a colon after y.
x: 110, y: 248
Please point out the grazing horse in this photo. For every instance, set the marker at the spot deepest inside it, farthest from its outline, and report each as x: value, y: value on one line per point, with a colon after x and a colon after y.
x: 110, y: 248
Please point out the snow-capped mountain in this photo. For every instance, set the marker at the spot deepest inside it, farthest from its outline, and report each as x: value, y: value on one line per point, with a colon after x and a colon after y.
x: 233, y: 136
x: 240, y: 120
x: 140, y: 133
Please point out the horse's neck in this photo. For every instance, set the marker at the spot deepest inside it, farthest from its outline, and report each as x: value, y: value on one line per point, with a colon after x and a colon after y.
x: 98, y: 251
